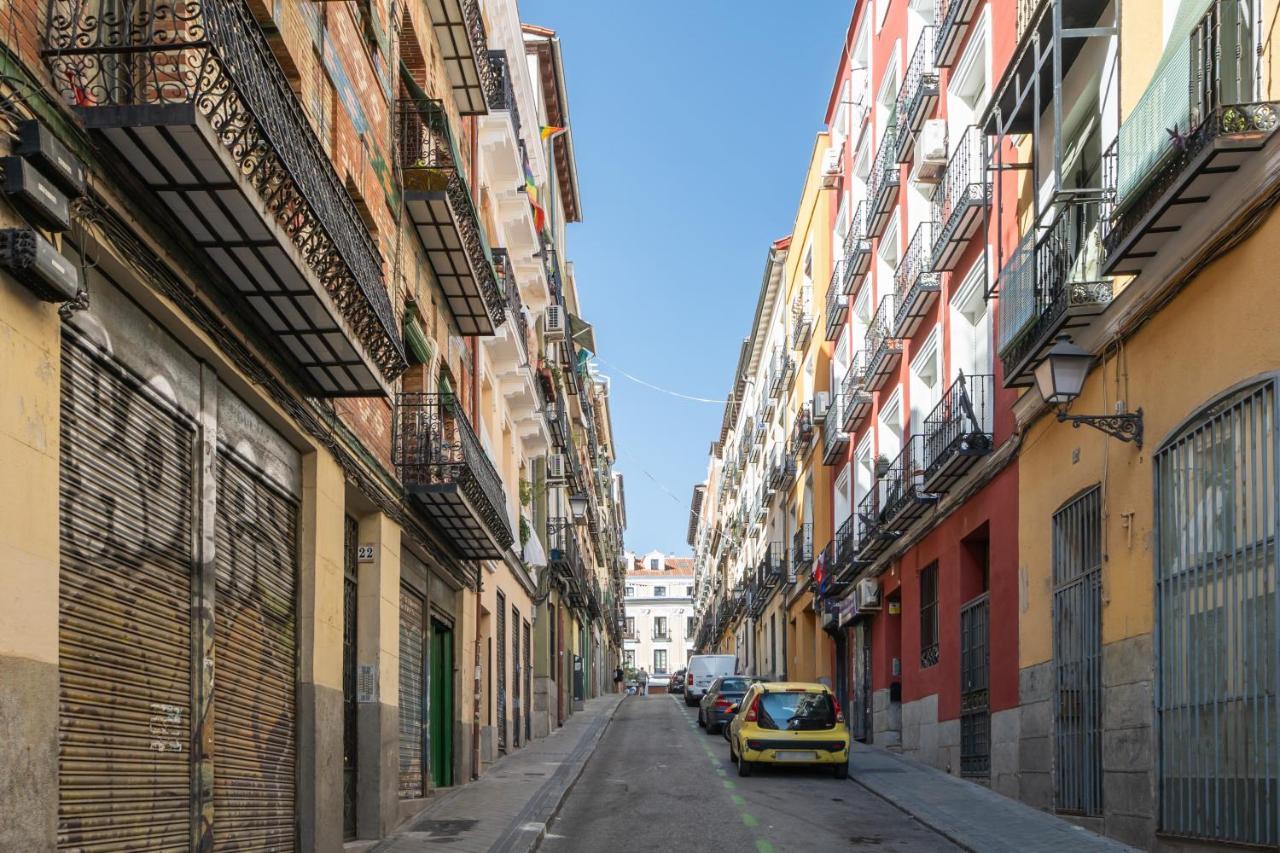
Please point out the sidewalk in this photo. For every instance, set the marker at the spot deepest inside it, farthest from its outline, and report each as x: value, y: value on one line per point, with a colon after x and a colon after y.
x: 507, y: 809
x: 970, y: 815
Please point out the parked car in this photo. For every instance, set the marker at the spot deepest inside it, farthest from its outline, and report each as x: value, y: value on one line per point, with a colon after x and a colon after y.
x: 677, y: 682
x: 701, y: 671
x: 724, y: 692
x: 788, y: 723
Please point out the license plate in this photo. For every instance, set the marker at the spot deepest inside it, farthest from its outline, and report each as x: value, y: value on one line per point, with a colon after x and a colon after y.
x: 792, y: 755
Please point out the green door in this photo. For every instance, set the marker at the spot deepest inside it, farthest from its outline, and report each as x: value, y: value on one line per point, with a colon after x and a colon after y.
x: 441, y: 705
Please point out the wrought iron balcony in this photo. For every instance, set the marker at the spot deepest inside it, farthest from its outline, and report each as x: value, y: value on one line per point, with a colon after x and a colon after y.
x: 845, y: 549
x: 855, y: 403
x: 800, y: 441
x: 505, y: 272
x: 757, y: 444
x: 782, y: 471
x: 874, y: 534
x: 857, y: 251
x: 439, y: 204
x: 919, y: 93
x: 905, y: 497
x: 882, y: 187
x: 564, y: 556
x: 837, y: 302
x: 954, y: 17
x: 959, y: 201
x: 191, y: 97
x: 801, y: 319
x: 783, y: 372
x: 883, y: 349
x: 1051, y: 281
x: 663, y: 636
x: 464, y: 49
x: 1162, y: 186
x: 772, y: 567
x: 916, y: 286
x: 958, y: 432
x: 801, y: 551
x: 503, y: 96
x: 442, y: 465
x: 834, y: 438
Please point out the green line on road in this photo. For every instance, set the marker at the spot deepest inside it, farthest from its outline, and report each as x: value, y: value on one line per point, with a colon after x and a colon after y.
x: 738, y: 800
x: 728, y: 783
x: 720, y: 771
x: 763, y: 846
x: 750, y: 820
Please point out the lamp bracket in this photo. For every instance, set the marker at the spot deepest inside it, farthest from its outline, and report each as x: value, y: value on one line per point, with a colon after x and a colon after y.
x: 1126, y: 426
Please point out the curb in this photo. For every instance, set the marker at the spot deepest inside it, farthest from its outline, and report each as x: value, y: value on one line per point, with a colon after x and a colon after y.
x: 963, y: 845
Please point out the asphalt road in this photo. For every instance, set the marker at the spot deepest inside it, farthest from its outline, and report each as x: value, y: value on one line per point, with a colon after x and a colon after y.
x: 657, y: 782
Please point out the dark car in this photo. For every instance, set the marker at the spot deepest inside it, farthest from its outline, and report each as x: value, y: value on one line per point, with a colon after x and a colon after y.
x: 724, y: 692
x: 677, y: 682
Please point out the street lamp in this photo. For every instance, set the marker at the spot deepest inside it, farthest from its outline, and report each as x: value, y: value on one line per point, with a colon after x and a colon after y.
x: 578, y: 506
x: 1060, y: 378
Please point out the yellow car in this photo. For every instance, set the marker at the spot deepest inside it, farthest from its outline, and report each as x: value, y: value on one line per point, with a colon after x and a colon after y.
x: 788, y: 723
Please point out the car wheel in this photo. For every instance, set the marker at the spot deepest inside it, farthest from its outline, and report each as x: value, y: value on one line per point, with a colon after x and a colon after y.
x: 841, y: 771
x: 733, y: 758
x: 689, y: 701
x: 744, y: 767
x: 701, y: 722
x: 713, y: 728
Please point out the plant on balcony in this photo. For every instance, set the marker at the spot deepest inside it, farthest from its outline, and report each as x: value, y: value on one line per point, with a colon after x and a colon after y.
x: 882, y: 466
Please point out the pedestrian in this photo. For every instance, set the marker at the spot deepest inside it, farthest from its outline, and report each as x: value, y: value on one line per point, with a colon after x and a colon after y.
x: 618, y: 677
x: 643, y: 678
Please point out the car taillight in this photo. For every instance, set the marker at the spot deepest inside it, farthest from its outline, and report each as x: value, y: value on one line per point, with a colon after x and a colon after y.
x: 751, y: 711
x: 722, y: 703
x: 689, y: 679
x: 839, y: 713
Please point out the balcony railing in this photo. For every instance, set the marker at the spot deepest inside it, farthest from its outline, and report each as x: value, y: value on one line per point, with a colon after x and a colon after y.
x: 834, y: 438
x: 662, y: 636
x: 953, y: 17
x: 503, y: 96
x: 801, y: 551
x: 1052, y: 280
x: 782, y: 471
x: 1210, y: 88
x: 855, y: 401
x: 505, y: 271
x: 958, y: 431
x: 857, y: 251
x: 439, y: 204
x: 905, y: 497
x: 919, y: 93
x: 883, y: 349
x: 801, y: 318
x: 837, y: 302
x: 464, y: 47
x: 772, y: 567
x: 1028, y: 13
x: 915, y: 285
x: 802, y: 433
x: 564, y: 557
x: 193, y: 99
x: 845, y: 549
x: 441, y: 463
x: 959, y: 201
x: 874, y: 534
x: 882, y: 187
x: 783, y: 372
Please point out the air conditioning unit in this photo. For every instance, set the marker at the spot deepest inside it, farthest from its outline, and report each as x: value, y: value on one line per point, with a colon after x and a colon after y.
x: 831, y: 168
x: 821, y: 402
x: 555, y: 323
x: 931, y: 152
x: 557, y: 466
x: 868, y: 594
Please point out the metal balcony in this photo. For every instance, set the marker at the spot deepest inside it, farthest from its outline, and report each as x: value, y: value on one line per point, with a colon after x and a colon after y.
x: 782, y: 472
x: 564, y: 558
x: 958, y: 203
x: 857, y: 251
x: 882, y: 186
x: 919, y: 94
x: 855, y: 403
x: 662, y: 636
x: 1162, y: 187
x: 802, y: 435
x: 835, y: 440
x: 439, y: 204
x: 443, y: 466
x: 193, y: 100
x: 801, y: 319
x: 883, y: 349
x: 874, y: 536
x: 772, y: 567
x: 801, y: 551
x: 1052, y: 281
x: 953, y: 17
x: 958, y: 432
x: 915, y: 285
x: 837, y: 302
x: 845, y: 550
x: 905, y: 497
x: 503, y: 96
x: 464, y: 49
x: 783, y: 372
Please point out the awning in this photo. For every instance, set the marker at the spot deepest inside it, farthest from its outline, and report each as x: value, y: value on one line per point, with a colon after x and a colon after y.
x: 533, y: 553
x: 582, y: 333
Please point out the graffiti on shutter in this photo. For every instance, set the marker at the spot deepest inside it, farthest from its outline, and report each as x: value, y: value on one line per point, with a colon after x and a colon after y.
x: 412, y: 689
x: 124, y: 643
x: 255, y: 643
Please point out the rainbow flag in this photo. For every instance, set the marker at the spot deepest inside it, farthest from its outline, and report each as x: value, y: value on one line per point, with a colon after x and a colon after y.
x: 531, y: 190
x: 550, y: 130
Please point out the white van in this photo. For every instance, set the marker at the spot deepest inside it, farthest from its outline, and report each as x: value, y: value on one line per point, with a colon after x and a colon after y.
x: 701, y: 671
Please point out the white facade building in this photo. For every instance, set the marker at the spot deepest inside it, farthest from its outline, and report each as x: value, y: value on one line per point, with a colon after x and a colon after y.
x: 659, y: 613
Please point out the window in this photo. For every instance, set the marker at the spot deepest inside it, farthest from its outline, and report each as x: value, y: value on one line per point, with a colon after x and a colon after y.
x: 795, y: 711
x: 659, y: 592
x: 631, y: 591
x: 629, y: 659
x: 926, y: 380
x: 660, y: 631
x: 659, y: 661
x: 689, y: 627
x: 929, y: 616
x: 688, y: 591
x: 655, y: 564
x: 631, y: 626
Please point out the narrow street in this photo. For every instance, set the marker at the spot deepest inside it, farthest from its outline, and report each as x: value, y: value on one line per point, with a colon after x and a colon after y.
x: 657, y: 781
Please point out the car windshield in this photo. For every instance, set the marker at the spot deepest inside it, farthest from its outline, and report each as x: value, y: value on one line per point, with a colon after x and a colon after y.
x: 734, y: 685
x: 796, y: 711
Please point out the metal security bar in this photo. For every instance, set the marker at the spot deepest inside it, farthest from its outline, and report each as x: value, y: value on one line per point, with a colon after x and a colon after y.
x: 1077, y: 655
x: 857, y: 250
x: 1217, y: 658
x: 801, y: 551
x: 837, y: 302
x: 975, y: 713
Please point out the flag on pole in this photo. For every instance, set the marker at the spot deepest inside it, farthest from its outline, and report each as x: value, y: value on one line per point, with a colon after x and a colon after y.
x: 550, y: 130
x: 531, y: 190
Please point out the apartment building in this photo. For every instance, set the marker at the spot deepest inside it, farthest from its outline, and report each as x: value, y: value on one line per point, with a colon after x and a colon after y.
x: 297, y: 364
x: 659, y: 631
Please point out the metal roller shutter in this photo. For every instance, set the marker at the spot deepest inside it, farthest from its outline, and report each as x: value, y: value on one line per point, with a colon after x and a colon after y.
x: 255, y: 642
x: 124, y: 709
x: 502, y: 672
x: 412, y: 690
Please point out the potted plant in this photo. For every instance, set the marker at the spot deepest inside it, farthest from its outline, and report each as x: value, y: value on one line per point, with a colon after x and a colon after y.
x: 882, y: 466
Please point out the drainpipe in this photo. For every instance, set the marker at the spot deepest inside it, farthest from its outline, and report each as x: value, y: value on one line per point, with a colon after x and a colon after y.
x: 475, y: 718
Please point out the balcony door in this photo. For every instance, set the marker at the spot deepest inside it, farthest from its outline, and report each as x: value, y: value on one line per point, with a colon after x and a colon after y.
x: 971, y: 351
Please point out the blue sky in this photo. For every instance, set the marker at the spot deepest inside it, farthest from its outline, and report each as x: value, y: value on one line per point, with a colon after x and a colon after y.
x: 693, y: 122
